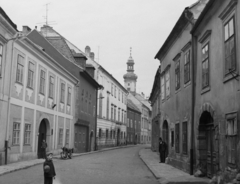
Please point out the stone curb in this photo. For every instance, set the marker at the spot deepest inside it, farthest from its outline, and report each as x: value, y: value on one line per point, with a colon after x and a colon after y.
x: 163, y: 180
x: 81, y: 154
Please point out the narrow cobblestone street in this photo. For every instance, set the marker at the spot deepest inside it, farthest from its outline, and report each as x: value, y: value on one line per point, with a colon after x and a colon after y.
x: 113, y: 167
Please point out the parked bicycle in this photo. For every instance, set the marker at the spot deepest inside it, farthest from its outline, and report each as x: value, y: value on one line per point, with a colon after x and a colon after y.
x: 66, y: 153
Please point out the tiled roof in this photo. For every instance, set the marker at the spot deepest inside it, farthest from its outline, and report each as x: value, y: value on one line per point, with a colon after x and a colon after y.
x: 2, y: 12
x: 131, y: 105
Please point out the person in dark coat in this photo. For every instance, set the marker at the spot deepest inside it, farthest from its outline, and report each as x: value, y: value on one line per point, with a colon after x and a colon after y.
x: 49, y: 170
x: 43, y: 148
x: 162, y: 150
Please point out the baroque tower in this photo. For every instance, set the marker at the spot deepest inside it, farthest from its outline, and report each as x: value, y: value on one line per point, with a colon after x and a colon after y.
x: 130, y: 78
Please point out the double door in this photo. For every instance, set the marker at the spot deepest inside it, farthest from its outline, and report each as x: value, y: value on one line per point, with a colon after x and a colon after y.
x: 80, y: 139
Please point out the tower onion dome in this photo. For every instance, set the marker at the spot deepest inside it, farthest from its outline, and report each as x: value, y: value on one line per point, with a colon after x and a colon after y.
x: 130, y: 75
x: 130, y: 60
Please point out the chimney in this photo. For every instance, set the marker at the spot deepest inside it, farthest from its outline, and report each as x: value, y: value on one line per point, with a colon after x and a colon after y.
x: 87, y: 50
x: 26, y: 30
x: 92, y: 55
x: 80, y: 59
x: 143, y: 95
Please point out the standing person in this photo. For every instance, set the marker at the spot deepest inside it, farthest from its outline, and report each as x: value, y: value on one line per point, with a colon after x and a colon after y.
x: 49, y: 170
x: 162, y: 150
x: 43, y: 148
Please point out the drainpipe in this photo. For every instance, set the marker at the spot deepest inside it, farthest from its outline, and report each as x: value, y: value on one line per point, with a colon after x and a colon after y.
x: 6, y: 147
x: 186, y: 11
x: 96, y: 120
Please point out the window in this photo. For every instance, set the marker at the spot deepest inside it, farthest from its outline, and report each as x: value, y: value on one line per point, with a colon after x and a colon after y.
x: 231, y: 135
x: 167, y: 83
x: 177, y: 75
x: 107, y: 134
x: 111, y: 134
x: 184, y: 137
x: 122, y: 98
x: 135, y: 124
x: 229, y: 42
x: 90, y: 104
x: 42, y: 82
x: 86, y: 102
x: 122, y: 116
x: 100, y: 133
x: 19, y: 77
x: 51, y: 84
x: 112, y: 89
x: 115, y: 114
x: 162, y: 87
x: 27, y: 133
x: 108, y: 106
x: 128, y: 122
x: 60, y: 136
x: 115, y: 89
x: 119, y: 94
x: 62, y: 92
x: 69, y: 96
x: 30, y: 75
x: 205, y: 66
x: 187, y: 67
x: 1, y: 51
x: 119, y: 114
x: 177, y: 138
x: 100, y: 105
x: 112, y: 112
x: 16, y: 133
x: 82, y: 106
x: 67, y: 137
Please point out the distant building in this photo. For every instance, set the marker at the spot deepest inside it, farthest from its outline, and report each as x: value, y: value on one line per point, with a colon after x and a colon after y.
x: 133, y: 123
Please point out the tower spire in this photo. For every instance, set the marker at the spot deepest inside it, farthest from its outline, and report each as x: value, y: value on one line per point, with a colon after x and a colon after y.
x: 130, y: 51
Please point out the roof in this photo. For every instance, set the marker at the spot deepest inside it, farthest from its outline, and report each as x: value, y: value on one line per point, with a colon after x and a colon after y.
x: 130, y: 75
x: 156, y: 84
x: 203, y: 13
x: 179, y: 26
x: 74, y: 69
x: 115, y: 80
x: 130, y: 60
x: 143, y: 101
x: 132, y: 106
x: 2, y: 12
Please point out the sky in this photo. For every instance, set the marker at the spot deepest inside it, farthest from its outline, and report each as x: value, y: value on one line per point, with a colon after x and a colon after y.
x: 109, y: 27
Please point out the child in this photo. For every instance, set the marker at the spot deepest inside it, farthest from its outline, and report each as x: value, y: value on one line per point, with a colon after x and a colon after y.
x: 48, y: 169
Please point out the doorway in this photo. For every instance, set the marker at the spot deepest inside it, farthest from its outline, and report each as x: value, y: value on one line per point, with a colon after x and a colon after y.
x: 165, y: 135
x: 207, y: 155
x: 42, y: 135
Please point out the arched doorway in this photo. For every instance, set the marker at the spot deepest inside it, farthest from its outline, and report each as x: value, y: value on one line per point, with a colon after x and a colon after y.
x: 42, y: 135
x: 165, y: 134
x: 207, y: 154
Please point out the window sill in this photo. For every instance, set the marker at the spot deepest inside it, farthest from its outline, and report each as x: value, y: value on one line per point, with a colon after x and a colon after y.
x: 41, y: 93
x: 205, y: 90
x: 179, y: 89
x: 229, y: 77
x: 187, y: 84
x: 19, y: 83
x: 28, y: 87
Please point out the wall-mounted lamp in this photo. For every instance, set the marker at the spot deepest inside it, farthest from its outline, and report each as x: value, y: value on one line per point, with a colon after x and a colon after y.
x: 54, y: 105
x: 101, y: 97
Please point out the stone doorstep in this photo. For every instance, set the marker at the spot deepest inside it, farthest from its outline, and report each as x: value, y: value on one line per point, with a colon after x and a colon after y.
x: 5, y: 169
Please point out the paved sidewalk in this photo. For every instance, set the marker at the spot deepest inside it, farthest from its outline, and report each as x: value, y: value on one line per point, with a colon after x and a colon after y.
x: 4, y: 169
x: 167, y: 174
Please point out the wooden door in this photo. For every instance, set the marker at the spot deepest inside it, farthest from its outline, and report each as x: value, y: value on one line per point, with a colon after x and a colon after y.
x: 211, y: 155
x: 42, y: 132
x: 81, y: 138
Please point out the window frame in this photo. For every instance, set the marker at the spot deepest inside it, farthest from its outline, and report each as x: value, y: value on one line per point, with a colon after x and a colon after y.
x: 185, y: 138
x: 1, y: 59
x: 20, y: 68
x: 27, y: 134
x: 16, y: 137
x: 62, y: 92
x: 69, y: 96
x: 67, y: 136
x: 187, y: 69
x: 177, y: 75
x: 177, y: 137
x: 205, y: 84
x: 51, y: 87
x: 42, y: 82
x: 60, y: 136
x: 30, y: 75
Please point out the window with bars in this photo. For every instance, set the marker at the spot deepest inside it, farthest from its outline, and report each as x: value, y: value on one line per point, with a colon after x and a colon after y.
x: 184, y: 137
x: 27, y: 134
x: 62, y: 97
x: 60, y: 136
x: 69, y: 96
x: 177, y: 142
x: 30, y: 75
x: 19, y: 76
x: 51, y: 86
x: 1, y: 56
x: 187, y: 67
x: 42, y: 82
x: 177, y: 75
x: 231, y: 135
x: 230, y: 46
x: 67, y: 137
x: 205, y: 66
x: 16, y: 133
